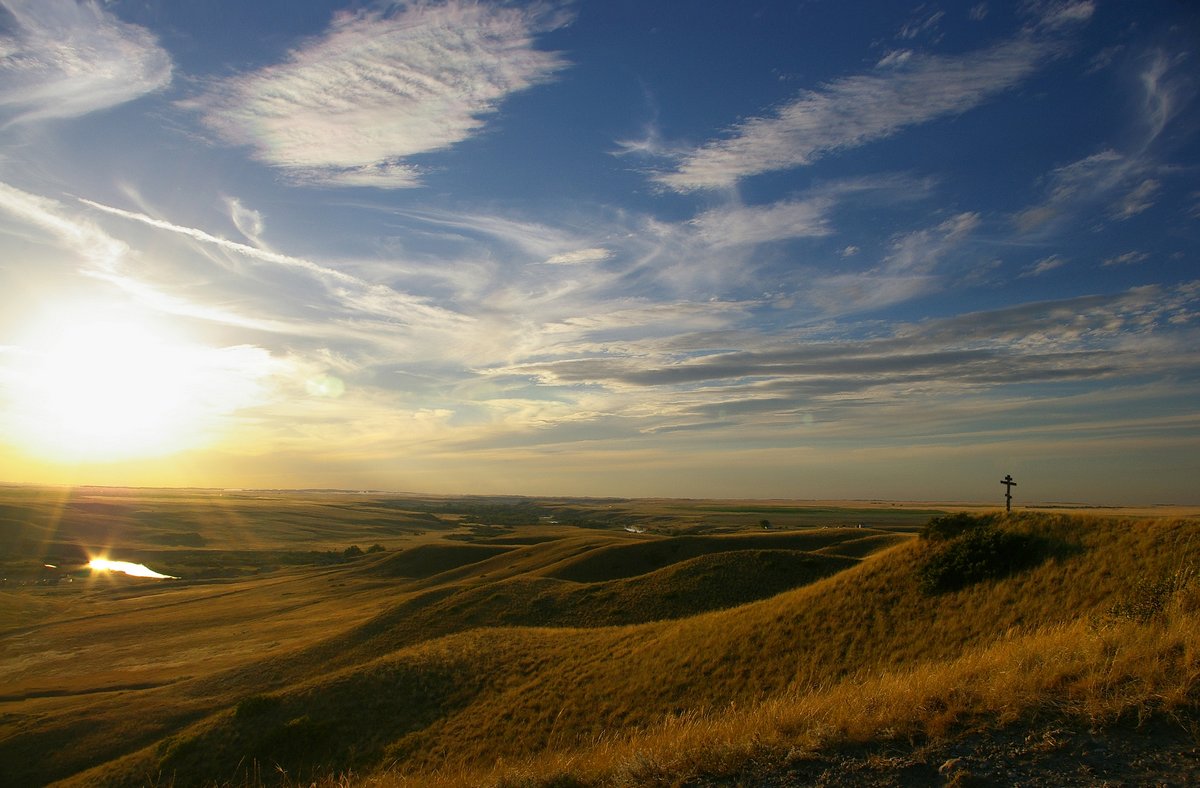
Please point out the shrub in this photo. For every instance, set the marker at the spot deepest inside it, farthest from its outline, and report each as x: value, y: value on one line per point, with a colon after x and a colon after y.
x: 981, y: 553
x: 376, y: 548
x: 941, y: 529
x: 353, y: 551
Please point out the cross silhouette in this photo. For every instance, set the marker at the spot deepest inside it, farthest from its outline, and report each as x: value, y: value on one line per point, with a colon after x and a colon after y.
x: 1008, y: 483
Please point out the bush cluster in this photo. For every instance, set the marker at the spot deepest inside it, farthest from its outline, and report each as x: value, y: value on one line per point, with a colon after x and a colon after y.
x: 970, y: 550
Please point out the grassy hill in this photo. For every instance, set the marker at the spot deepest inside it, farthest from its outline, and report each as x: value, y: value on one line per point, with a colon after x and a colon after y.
x: 560, y: 656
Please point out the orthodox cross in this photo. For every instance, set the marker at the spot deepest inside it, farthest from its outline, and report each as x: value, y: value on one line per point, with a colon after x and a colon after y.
x: 1008, y: 483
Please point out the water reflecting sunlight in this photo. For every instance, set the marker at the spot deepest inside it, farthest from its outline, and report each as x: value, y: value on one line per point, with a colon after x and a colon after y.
x: 125, y: 567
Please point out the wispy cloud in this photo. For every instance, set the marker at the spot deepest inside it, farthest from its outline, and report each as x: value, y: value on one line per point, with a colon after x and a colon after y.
x: 909, y: 269
x: 923, y: 23
x: 1138, y: 200
x: 103, y: 257
x: 850, y: 112
x: 806, y: 218
x: 66, y: 58
x: 1056, y: 14
x: 1128, y: 258
x: 1163, y: 91
x: 380, y: 86
x: 1045, y: 265
x: 1090, y: 337
x: 253, y: 252
x: 83, y: 238
x: 580, y: 256
x: 248, y: 221
x: 907, y: 88
x: 1076, y: 183
x: 1118, y: 185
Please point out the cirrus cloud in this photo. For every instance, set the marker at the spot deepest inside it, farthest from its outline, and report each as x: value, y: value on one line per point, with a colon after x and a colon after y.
x: 380, y: 86
x: 853, y: 111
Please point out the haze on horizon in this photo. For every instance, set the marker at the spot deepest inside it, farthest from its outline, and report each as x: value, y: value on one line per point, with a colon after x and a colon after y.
x: 603, y: 248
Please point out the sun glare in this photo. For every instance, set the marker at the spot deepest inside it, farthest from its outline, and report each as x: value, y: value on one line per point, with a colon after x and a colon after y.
x: 99, y: 387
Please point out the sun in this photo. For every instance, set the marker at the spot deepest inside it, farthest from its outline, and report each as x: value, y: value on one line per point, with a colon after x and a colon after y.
x: 99, y: 385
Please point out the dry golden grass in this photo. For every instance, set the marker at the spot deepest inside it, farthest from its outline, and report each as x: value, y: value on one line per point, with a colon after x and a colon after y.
x: 1125, y: 671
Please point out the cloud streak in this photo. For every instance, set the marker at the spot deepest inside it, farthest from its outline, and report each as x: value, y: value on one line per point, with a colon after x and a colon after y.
x: 380, y: 86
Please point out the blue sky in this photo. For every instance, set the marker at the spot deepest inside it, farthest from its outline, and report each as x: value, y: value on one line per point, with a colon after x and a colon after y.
x: 803, y: 249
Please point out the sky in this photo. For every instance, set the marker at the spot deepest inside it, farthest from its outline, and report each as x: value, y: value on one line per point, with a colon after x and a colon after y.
x: 807, y: 249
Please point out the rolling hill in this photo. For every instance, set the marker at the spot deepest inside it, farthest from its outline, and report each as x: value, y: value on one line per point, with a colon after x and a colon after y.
x: 560, y: 655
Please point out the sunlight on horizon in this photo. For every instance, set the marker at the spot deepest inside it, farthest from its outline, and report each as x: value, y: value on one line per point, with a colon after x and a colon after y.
x: 99, y: 384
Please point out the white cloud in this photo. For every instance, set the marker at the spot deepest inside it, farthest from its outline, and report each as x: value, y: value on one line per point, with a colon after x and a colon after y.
x: 853, y: 111
x: 79, y: 236
x: 1054, y: 15
x: 66, y: 59
x: 248, y: 221
x: 1042, y: 266
x: 381, y: 86
x: 580, y: 256
x: 849, y: 251
x: 362, y: 316
x: 1074, y: 183
x: 1128, y: 258
x: 752, y: 377
x: 1164, y: 91
x: 806, y: 218
x: 531, y: 241
x: 908, y: 271
x: 920, y: 251
x: 106, y: 258
x: 922, y: 24
x: 1139, y: 199
x: 252, y: 252
x: 894, y: 58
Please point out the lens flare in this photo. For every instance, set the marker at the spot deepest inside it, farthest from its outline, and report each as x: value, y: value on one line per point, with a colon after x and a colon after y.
x: 125, y: 567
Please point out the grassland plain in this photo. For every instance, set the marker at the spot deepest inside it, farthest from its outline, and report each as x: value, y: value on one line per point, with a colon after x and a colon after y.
x: 470, y: 652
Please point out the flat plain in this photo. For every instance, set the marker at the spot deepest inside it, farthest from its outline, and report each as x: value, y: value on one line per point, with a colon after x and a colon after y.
x: 402, y: 639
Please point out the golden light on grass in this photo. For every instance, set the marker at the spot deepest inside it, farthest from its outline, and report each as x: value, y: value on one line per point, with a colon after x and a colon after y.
x: 127, y: 568
x: 95, y: 384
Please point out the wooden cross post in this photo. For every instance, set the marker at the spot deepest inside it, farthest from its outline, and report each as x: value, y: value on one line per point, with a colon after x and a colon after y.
x: 1008, y: 483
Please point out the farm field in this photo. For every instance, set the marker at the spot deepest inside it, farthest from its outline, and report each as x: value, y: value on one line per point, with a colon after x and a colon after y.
x: 391, y: 639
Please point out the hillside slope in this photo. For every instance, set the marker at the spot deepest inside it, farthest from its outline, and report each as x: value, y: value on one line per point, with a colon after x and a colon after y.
x: 852, y: 655
x: 133, y: 661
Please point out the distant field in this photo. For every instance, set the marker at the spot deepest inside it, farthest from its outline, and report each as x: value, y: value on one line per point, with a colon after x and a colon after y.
x: 312, y: 634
